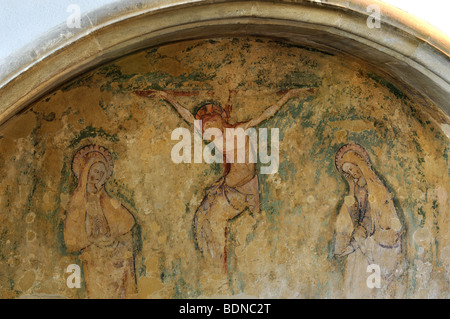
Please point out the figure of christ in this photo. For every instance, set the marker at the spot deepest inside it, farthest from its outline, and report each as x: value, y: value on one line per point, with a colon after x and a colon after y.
x: 238, y: 189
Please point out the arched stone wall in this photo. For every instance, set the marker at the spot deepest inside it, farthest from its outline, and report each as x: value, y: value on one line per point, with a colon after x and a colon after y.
x: 410, y: 52
x: 292, y: 233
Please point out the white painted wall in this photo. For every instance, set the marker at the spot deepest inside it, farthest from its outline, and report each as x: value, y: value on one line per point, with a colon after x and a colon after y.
x: 435, y: 12
x: 22, y: 21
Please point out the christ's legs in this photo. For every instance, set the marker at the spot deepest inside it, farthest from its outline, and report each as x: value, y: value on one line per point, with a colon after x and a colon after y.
x: 210, y: 226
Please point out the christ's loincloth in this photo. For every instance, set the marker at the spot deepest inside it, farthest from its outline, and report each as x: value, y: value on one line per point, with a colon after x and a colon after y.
x: 221, y: 204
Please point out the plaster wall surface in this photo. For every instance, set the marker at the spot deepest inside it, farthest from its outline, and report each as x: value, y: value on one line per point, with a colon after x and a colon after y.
x: 287, y: 248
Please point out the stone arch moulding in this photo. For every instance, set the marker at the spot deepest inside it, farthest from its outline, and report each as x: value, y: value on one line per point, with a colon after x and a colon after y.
x: 413, y: 54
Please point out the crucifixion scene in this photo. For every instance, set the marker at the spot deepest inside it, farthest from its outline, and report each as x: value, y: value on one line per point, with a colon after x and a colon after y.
x: 238, y: 189
x: 225, y: 167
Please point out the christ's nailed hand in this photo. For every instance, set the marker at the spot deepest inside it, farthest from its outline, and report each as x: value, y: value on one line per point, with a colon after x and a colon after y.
x: 152, y: 93
x: 300, y: 92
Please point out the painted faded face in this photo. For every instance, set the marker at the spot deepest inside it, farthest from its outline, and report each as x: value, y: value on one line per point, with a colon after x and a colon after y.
x: 352, y: 170
x: 213, y: 122
x: 97, y: 173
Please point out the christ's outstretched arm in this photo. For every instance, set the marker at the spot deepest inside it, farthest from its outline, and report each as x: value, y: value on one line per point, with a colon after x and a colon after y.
x: 184, y: 112
x: 270, y: 111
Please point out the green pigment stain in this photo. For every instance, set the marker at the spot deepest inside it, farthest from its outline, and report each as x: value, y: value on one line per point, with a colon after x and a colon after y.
x: 92, y: 132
